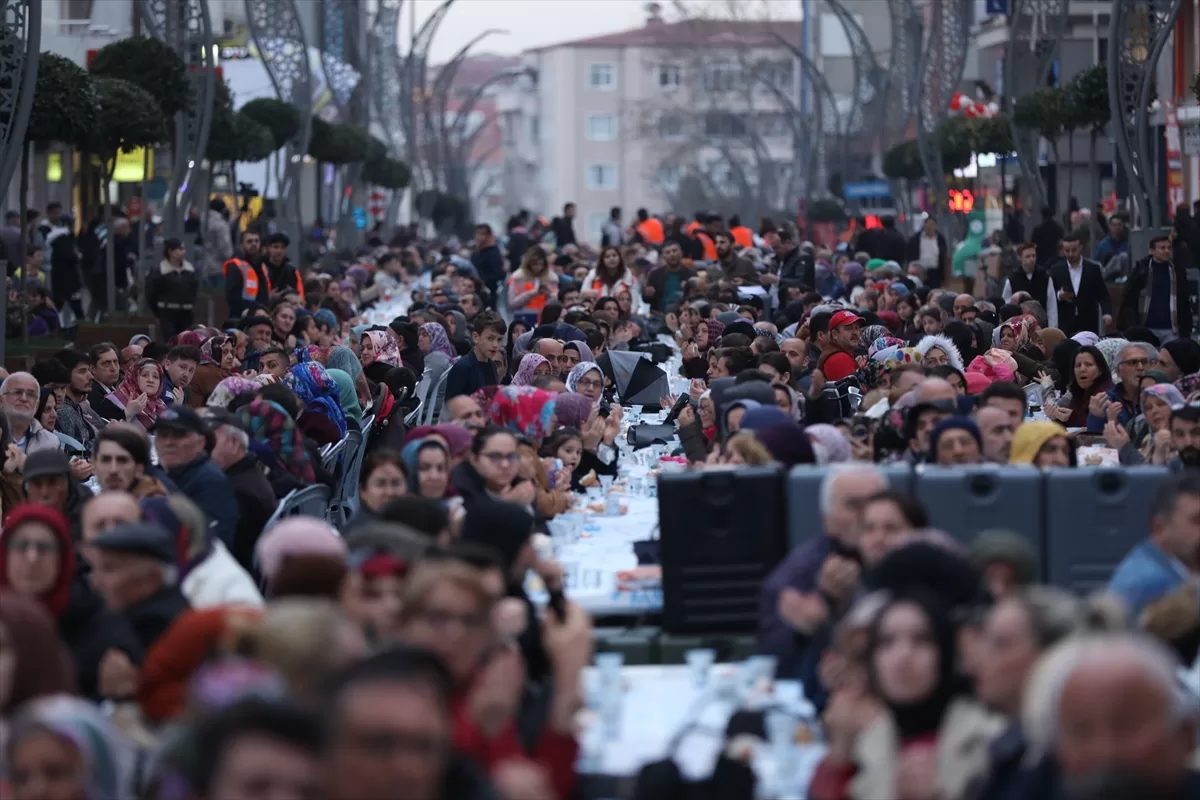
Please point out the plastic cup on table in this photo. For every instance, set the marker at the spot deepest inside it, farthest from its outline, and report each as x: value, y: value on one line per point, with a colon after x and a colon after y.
x: 700, y: 661
x: 606, y: 482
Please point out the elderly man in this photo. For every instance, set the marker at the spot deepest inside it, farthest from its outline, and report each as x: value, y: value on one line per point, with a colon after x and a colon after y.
x: 255, y: 499
x: 552, y: 351
x: 105, y: 511
x: 181, y: 437
x: 1138, y: 742
x: 1120, y: 404
x: 964, y: 306
x: 813, y: 583
x: 936, y: 400
x: 133, y: 570
x: 19, y: 395
x: 464, y: 410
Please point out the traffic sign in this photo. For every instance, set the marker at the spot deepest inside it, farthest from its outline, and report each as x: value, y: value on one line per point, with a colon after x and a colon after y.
x: 861, y: 191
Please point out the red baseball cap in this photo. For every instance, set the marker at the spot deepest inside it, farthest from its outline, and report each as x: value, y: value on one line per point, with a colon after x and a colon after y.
x: 844, y: 318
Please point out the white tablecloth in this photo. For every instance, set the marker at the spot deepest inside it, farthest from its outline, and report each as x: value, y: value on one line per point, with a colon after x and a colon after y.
x: 661, y: 701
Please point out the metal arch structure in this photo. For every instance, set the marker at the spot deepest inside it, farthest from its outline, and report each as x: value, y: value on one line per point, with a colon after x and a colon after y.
x: 1035, y: 32
x: 819, y: 128
x: 1138, y: 32
x: 278, y: 35
x: 870, y: 83
x: 336, y: 61
x: 387, y: 85
x: 942, y: 62
x: 186, y: 27
x: 414, y: 69
x: 904, y: 73
x: 20, y: 39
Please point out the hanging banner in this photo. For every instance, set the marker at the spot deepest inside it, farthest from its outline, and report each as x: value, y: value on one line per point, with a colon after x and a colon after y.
x: 1175, y: 192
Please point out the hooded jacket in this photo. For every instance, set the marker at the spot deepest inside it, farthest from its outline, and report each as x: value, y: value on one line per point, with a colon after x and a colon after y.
x: 953, y: 357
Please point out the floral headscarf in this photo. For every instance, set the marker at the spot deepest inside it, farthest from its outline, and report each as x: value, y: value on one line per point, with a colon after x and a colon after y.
x: 439, y: 341
x: 883, y: 343
x: 190, y: 339
x: 275, y: 439
x: 1167, y: 393
x: 578, y: 371
x: 386, y: 349
x: 573, y: 409
x: 129, y: 389
x: 1188, y: 385
x: 312, y: 383
x: 1023, y: 327
x: 529, y: 364
x: 524, y: 410
x: 210, y: 351
x: 313, y: 353
x: 715, y: 329
x: 230, y: 388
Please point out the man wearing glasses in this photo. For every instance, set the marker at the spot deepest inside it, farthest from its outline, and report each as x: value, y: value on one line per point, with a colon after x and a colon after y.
x: 19, y: 394
x: 1122, y: 402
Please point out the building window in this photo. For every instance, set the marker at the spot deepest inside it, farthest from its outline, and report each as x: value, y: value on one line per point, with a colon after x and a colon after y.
x: 722, y: 77
x: 602, y: 76
x: 75, y: 10
x: 724, y: 125
x: 670, y: 127
x: 601, y: 127
x: 670, y: 77
x: 834, y: 41
x: 601, y: 177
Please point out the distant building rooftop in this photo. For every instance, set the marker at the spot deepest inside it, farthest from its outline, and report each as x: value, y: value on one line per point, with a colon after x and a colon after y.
x: 691, y: 32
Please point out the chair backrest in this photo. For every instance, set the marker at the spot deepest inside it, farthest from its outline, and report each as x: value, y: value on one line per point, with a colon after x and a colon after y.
x: 967, y: 501
x: 347, y: 486
x: 312, y: 501
x: 330, y: 456
x: 433, y: 401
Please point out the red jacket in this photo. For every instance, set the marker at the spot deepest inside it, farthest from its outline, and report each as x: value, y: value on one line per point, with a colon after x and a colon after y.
x: 554, y: 752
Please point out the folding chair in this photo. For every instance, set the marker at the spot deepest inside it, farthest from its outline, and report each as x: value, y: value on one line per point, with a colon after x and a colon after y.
x: 310, y: 501
x: 331, y: 455
x: 345, y: 494
x: 434, y: 400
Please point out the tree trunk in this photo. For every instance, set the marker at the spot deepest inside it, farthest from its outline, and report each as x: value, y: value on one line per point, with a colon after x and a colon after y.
x: 110, y: 276
x: 1094, y: 169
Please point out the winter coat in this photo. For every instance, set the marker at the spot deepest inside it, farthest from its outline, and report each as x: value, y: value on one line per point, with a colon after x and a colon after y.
x: 206, y: 486
x: 219, y: 580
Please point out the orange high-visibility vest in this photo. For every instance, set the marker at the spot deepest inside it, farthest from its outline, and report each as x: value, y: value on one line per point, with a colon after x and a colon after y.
x: 651, y: 231
x: 249, y: 278
x: 538, y: 301
x: 710, y: 249
x: 743, y: 236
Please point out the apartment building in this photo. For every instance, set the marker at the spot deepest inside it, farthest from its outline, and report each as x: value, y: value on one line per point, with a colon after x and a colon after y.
x: 661, y: 115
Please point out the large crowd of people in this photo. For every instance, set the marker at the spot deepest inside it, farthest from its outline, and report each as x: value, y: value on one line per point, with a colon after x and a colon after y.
x: 166, y: 633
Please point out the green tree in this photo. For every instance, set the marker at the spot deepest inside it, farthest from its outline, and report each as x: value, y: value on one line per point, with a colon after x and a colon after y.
x: 826, y: 209
x: 993, y: 135
x: 64, y: 103
x: 903, y: 162
x: 390, y: 173
x: 150, y: 64
x: 956, y: 138
x: 1087, y: 95
x: 280, y: 118
x: 1042, y: 112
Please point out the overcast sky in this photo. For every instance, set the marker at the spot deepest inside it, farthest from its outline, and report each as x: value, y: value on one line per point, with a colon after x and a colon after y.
x: 535, y: 23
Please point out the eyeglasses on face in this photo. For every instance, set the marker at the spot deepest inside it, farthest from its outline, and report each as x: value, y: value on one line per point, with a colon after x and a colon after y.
x: 39, y: 547
x: 1137, y: 362
x: 501, y: 458
x: 29, y: 393
x: 589, y: 383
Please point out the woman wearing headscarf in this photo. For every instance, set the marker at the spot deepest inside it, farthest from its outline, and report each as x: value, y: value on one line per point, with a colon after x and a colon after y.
x: 1147, y: 440
x: 279, y: 444
x: 347, y: 397
x: 830, y: 444
x: 293, y: 539
x: 217, y: 363
x: 209, y: 575
x: 72, y: 740
x: 917, y: 701
x: 427, y: 465
x: 138, y: 398
x: 378, y: 347
x: 321, y: 395
x: 88, y: 628
x: 343, y: 358
x: 230, y: 388
x: 524, y: 410
x: 586, y: 378
x: 1111, y: 348
x: 530, y: 367
x: 1041, y: 443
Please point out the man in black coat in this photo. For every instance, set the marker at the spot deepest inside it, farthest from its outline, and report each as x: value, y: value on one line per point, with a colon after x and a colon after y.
x: 488, y: 260
x: 255, y: 498
x: 797, y: 270
x: 1046, y: 237
x: 564, y: 227
x: 1168, y: 313
x: 889, y: 243
x: 1083, y: 300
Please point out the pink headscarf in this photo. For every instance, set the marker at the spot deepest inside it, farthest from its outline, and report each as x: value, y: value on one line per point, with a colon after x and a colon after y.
x: 296, y: 536
x: 529, y: 364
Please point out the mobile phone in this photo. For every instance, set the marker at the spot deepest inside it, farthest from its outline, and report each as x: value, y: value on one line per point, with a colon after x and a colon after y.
x: 558, y: 604
x: 677, y: 409
x: 604, y: 410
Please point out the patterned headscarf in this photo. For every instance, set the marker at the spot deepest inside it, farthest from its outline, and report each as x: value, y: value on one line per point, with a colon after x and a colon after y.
x: 1167, y: 393
x: 312, y: 383
x: 230, y: 388
x: 1023, y: 327
x: 578, y: 371
x: 871, y: 374
x: 871, y: 333
x: 275, y: 439
x: 523, y: 409
x: 529, y: 364
x: 585, y: 352
x: 1188, y: 385
x: 343, y: 358
x: 1111, y: 348
x: 386, y: 349
x: 830, y: 444
x: 883, y: 343
x: 439, y: 341
x: 573, y: 409
x: 190, y: 339
x: 715, y: 329
x: 129, y: 389
x: 210, y: 351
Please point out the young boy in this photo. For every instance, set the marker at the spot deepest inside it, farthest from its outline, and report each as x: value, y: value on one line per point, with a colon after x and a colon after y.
x: 476, y: 370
